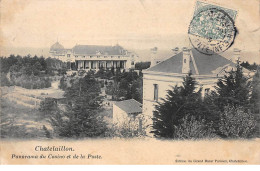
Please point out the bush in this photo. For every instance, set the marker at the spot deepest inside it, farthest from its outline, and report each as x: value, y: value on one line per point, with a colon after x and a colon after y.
x: 4, y: 81
x: 63, y: 83
x: 235, y: 123
x: 102, y: 84
x: 75, y: 125
x: 129, y: 128
x: 31, y: 82
x: 47, y: 107
x: 192, y: 128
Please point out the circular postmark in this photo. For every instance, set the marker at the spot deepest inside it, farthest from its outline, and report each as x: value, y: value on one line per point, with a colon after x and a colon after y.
x: 212, y: 31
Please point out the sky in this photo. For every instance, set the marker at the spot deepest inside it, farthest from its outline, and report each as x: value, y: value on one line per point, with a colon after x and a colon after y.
x: 134, y: 24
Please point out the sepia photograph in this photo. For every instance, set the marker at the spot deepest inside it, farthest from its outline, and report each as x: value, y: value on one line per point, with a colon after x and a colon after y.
x: 136, y: 82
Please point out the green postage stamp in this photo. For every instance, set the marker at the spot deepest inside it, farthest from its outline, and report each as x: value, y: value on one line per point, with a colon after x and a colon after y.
x: 212, y: 29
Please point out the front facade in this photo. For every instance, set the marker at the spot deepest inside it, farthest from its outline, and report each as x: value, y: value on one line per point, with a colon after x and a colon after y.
x: 86, y: 57
x: 166, y: 74
x: 125, y: 110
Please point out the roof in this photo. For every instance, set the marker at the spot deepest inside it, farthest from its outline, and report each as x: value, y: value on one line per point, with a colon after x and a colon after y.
x: 57, y: 47
x: 95, y: 49
x: 129, y: 106
x: 206, y: 64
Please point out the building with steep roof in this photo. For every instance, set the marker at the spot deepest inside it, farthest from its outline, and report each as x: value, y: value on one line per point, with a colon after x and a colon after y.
x: 206, y: 69
x: 93, y: 57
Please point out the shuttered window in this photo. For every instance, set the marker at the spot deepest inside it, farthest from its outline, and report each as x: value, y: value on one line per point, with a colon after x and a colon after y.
x: 155, y: 92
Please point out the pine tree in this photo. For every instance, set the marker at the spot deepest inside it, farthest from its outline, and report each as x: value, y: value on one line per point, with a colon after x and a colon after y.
x: 179, y: 102
x: 255, y: 97
x: 82, y: 117
x: 233, y: 89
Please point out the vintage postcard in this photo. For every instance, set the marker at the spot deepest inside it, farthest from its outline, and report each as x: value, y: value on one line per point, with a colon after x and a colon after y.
x: 173, y: 82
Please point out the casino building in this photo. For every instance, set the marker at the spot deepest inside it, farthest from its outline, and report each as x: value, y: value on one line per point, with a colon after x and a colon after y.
x: 94, y: 57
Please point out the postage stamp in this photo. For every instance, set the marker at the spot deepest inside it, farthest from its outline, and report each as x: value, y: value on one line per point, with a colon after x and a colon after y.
x: 212, y: 29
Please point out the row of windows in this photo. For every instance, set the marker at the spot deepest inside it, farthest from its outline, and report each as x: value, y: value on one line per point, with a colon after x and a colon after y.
x: 68, y: 55
x: 100, y: 64
x: 156, y: 89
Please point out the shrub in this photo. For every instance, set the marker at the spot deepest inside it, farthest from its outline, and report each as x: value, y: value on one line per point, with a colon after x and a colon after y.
x: 4, y: 81
x: 47, y: 107
x: 31, y: 82
x: 129, y: 128
x: 46, y: 132
x: 235, y: 123
x: 63, y: 83
x: 192, y: 128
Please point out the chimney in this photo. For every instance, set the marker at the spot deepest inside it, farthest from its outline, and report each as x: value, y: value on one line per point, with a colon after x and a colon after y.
x: 175, y: 51
x: 153, y: 54
x: 186, y: 60
x: 236, y: 55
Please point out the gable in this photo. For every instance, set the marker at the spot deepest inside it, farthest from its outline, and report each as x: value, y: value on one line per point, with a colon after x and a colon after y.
x: 205, y: 64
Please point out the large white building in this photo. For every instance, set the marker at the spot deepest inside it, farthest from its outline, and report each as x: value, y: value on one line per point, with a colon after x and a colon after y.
x: 161, y: 76
x: 94, y: 56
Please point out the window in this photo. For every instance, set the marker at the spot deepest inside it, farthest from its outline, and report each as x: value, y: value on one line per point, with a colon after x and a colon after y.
x: 132, y: 63
x: 184, y: 60
x: 76, y: 56
x: 93, y: 65
x: 207, y: 91
x: 68, y: 55
x: 155, y: 97
x: 122, y: 64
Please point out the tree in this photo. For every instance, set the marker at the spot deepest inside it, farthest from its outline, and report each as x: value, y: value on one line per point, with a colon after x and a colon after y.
x: 36, y: 68
x: 235, y: 123
x: 4, y: 80
x: 82, y: 117
x: 137, y: 90
x: 233, y: 89
x: 255, y: 97
x: 142, y: 65
x: 81, y: 120
x: 180, y: 101
x: 248, y: 66
x: 63, y: 83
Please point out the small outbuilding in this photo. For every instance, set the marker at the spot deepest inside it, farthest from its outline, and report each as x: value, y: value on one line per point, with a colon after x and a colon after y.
x: 125, y: 110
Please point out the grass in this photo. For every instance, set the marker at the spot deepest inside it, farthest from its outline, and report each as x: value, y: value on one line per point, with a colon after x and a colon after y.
x: 20, y: 117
